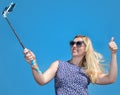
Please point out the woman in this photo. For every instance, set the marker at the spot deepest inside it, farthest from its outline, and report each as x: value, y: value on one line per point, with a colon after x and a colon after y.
x: 72, y: 77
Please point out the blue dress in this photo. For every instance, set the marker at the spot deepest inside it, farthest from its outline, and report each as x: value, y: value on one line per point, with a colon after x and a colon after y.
x: 71, y: 80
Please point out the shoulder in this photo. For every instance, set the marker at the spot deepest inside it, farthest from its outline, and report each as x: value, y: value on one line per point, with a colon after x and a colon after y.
x: 57, y: 62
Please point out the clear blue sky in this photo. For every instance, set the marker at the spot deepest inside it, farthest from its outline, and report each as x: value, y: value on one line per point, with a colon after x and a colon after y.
x: 46, y: 27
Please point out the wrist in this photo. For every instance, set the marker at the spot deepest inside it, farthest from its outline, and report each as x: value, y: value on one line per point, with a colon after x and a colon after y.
x: 37, y: 70
x: 113, y: 53
x: 35, y: 66
x: 33, y: 62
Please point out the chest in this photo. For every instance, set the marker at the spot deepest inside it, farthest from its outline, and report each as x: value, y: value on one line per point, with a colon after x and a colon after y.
x: 70, y: 74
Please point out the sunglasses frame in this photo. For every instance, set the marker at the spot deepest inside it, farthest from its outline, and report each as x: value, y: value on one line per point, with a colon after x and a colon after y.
x: 78, y: 43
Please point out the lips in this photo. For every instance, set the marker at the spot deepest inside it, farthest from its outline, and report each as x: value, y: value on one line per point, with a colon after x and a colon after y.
x: 74, y: 50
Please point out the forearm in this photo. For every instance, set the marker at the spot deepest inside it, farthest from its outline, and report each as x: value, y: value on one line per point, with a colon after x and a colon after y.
x: 113, y: 68
x: 38, y: 77
x: 37, y: 73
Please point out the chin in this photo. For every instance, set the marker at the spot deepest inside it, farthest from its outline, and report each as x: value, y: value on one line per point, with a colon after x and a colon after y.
x: 74, y: 55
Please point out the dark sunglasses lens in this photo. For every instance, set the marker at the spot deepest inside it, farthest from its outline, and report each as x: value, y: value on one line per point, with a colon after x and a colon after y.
x: 72, y: 43
x: 79, y: 43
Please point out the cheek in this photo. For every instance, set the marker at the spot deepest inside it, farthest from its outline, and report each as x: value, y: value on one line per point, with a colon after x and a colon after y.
x: 82, y: 50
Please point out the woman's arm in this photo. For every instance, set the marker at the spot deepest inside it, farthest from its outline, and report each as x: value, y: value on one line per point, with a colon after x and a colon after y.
x: 112, y: 75
x: 44, y: 78
x: 41, y: 78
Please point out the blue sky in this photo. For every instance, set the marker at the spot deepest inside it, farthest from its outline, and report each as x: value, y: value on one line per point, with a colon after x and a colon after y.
x: 46, y: 27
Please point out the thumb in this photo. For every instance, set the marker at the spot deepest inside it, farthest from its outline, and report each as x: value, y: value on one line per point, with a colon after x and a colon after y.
x: 112, y: 39
x: 25, y: 50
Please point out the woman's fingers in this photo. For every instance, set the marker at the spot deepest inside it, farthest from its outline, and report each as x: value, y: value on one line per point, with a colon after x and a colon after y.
x: 29, y: 55
x: 113, y: 45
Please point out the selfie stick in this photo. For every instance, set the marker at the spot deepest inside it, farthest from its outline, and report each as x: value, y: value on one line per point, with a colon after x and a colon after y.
x: 4, y: 14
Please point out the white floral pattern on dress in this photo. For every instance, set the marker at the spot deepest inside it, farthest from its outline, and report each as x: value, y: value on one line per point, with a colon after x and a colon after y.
x: 71, y: 80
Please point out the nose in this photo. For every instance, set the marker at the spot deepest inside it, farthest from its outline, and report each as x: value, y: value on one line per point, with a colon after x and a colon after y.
x: 74, y: 45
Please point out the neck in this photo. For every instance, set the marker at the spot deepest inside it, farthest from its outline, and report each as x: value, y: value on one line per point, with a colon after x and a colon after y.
x: 77, y: 61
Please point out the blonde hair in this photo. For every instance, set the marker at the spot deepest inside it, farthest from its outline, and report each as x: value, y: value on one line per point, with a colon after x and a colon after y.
x: 92, y: 60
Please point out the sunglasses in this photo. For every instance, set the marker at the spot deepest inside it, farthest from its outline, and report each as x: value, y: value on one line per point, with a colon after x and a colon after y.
x: 78, y: 43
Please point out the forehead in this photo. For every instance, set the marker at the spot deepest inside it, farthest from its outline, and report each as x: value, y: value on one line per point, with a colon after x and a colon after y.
x: 78, y: 39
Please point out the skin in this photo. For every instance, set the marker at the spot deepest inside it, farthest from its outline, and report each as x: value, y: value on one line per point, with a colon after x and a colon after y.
x: 77, y: 55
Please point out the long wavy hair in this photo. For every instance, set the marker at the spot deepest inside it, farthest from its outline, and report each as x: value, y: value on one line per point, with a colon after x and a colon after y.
x: 92, y: 60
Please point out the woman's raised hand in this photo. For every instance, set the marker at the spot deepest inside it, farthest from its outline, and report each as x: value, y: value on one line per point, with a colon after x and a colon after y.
x: 113, y: 46
x: 29, y: 55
